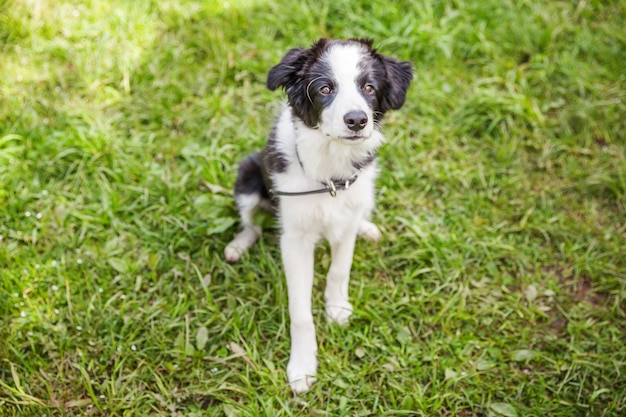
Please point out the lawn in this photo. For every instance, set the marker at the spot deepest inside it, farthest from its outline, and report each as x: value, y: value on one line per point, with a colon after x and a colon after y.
x: 498, y: 289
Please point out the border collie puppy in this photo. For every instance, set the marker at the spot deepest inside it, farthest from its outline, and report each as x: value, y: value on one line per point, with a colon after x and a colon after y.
x: 317, y: 172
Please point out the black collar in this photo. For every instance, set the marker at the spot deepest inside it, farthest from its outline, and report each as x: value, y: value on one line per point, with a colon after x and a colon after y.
x: 331, y: 186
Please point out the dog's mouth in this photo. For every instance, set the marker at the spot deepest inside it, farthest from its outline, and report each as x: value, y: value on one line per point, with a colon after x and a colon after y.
x: 354, y: 138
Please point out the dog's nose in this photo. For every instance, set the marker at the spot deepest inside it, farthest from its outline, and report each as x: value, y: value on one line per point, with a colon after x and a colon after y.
x: 355, y: 120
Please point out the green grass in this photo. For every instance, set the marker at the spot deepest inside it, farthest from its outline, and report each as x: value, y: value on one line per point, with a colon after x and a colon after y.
x: 499, y: 288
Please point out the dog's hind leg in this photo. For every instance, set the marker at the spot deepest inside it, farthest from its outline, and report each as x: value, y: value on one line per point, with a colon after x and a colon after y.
x: 247, y: 205
x: 250, y: 193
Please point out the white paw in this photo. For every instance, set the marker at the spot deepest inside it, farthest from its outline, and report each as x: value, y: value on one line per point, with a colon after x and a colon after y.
x: 301, y: 384
x: 339, y: 312
x: 369, y: 231
x: 242, y: 242
x: 232, y: 253
x: 301, y: 375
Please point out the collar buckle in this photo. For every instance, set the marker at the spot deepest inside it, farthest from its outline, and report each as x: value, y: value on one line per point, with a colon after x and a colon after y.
x: 332, y: 188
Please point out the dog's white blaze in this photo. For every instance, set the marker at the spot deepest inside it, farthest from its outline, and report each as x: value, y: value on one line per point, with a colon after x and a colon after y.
x: 344, y: 63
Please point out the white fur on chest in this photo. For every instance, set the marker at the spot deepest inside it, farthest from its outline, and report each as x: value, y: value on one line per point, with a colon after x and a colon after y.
x: 321, y: 215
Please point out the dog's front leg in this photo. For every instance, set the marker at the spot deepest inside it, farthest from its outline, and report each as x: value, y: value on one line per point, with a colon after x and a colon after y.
x: 297, y: 253
x: 338, y: 308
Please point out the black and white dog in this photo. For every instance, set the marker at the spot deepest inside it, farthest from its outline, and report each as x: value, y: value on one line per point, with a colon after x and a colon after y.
x: 317, y: 171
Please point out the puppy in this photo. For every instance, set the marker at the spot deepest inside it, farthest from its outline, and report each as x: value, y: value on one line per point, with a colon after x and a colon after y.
x: 317, y: 173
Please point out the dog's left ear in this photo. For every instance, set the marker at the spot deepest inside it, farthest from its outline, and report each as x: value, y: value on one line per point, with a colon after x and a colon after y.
x: 398, y: 77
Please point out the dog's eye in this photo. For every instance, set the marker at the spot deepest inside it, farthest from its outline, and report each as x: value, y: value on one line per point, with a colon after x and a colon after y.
x: 368, y: 89
x: 326, y: 90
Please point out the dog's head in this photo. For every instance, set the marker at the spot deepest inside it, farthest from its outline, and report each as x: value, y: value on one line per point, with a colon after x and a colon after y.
x: 341, y: 87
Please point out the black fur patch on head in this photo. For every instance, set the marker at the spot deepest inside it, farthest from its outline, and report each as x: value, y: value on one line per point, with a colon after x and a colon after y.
x: 302, y: 73
x: 392, y: 76
x: 398, y: 76
x: 298, y: 73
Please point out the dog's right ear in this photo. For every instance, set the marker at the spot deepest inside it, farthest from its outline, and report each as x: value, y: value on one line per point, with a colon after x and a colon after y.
x: 285, y: 73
